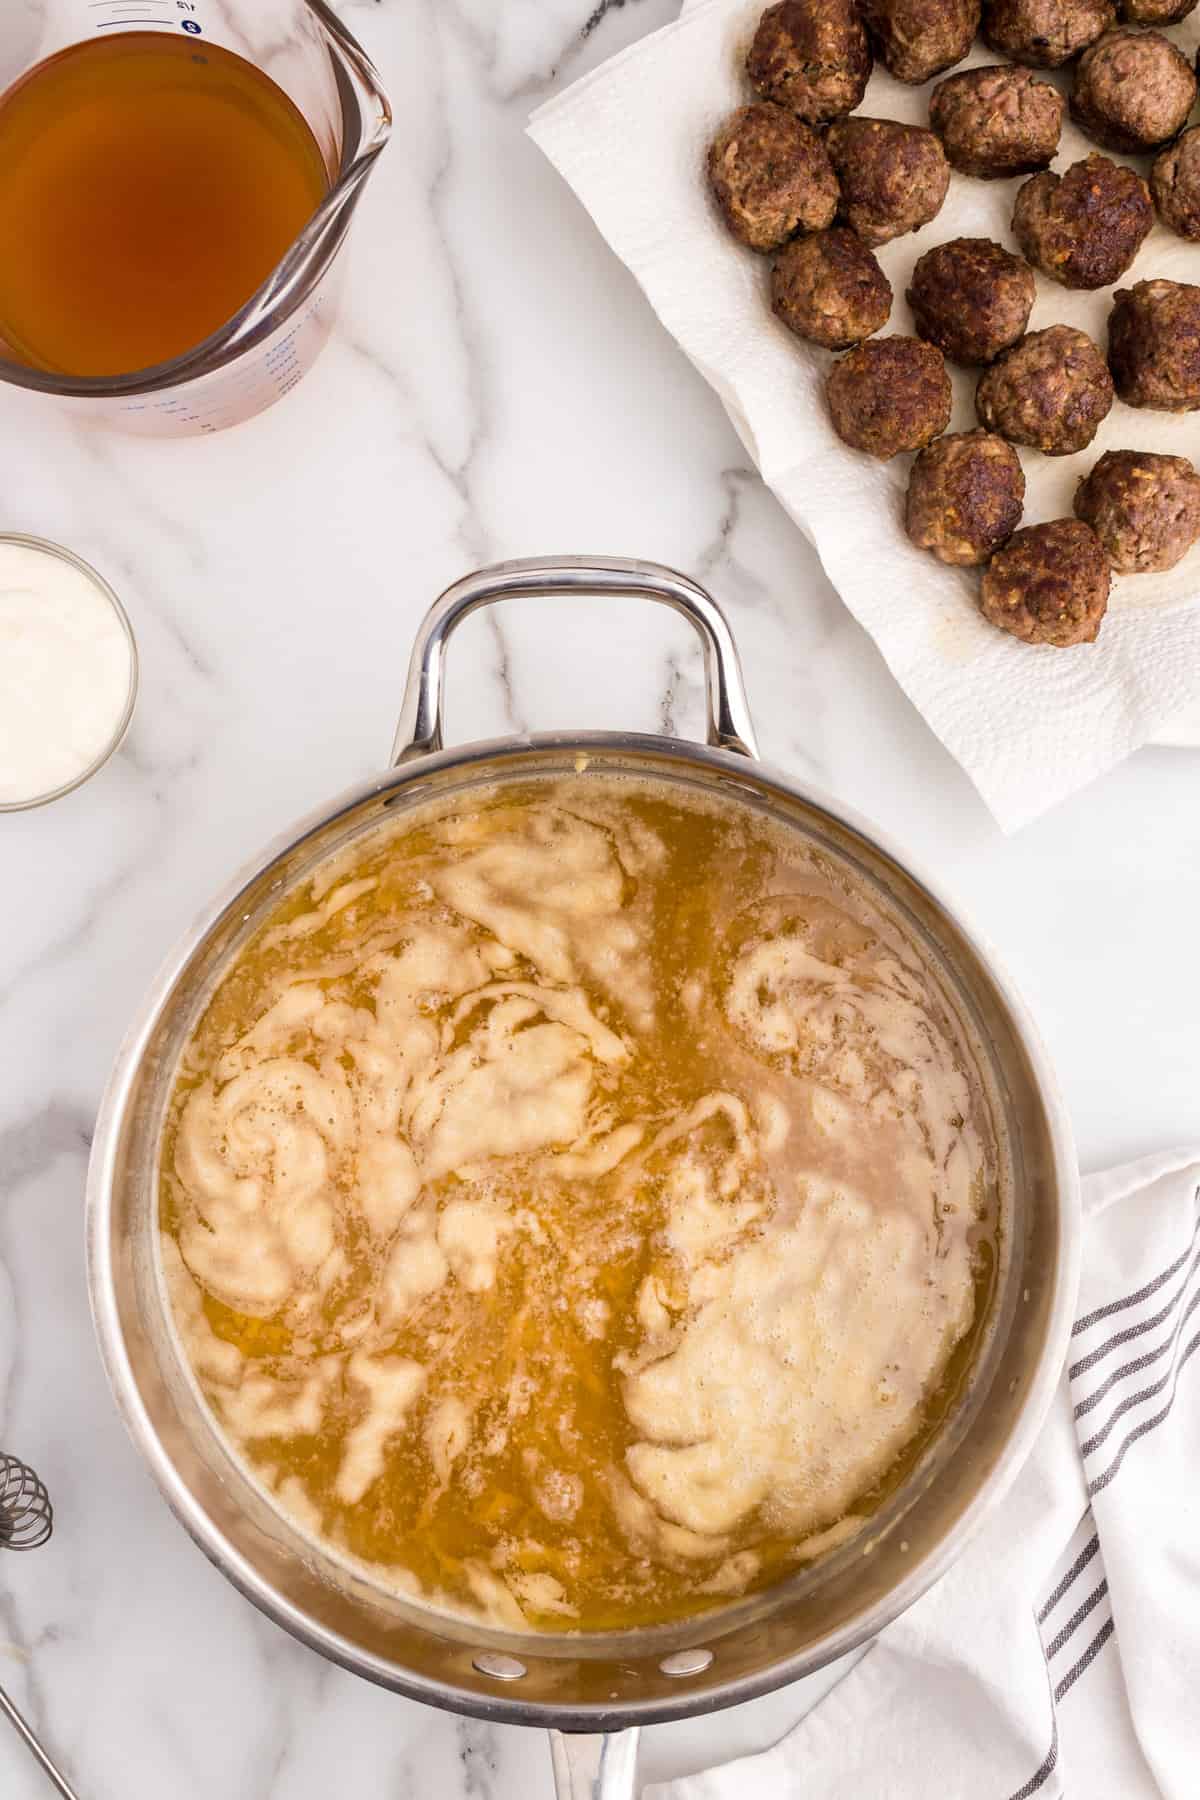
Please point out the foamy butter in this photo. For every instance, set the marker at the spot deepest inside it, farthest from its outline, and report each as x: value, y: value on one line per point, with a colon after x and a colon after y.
x: 67, y: 671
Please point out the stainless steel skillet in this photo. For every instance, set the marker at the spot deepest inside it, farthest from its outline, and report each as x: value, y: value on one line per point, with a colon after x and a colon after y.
x: 593, y: 1692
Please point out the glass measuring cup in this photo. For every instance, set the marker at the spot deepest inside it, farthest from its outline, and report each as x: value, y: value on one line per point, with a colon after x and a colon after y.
x: 259, y: 354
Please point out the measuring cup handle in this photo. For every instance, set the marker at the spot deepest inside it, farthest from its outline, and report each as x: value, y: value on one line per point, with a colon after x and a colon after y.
x: 564, y: 577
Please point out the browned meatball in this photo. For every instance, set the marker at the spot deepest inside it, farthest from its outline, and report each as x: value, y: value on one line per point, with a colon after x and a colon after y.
x: 1133, y: 90
x: 1083, y: 228
x: 1052, y: 391
x: 830, y: 289
x: 1154, y: 345
x: 888, y: 395
x: 1044, y: 33
x: 812, y: 56
x: 1048, y: 585
x: 997, y: 121
x: 965, y: 496
x: 771, y: 176
x: 1155, y: 12
x: 917, y: 39
x: 1175, y: 184
x: 893, y: 177
x: 1145, y: 509
x: 971, y: 298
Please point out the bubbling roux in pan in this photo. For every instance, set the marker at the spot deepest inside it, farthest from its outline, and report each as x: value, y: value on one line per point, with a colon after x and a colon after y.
x: 580, y: 1203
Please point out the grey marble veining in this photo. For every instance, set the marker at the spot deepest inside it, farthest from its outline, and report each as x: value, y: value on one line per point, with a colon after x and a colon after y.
x: 495, y: 387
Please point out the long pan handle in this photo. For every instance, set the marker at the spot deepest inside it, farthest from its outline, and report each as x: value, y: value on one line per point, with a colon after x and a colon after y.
x: 594, y: 1765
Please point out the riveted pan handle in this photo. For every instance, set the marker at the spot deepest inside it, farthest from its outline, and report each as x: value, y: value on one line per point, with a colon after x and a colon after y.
x: 594, y: 1766
x: 567, y: 577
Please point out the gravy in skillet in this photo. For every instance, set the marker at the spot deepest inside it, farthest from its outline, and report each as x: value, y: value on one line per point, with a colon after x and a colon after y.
x: 579, y: 1203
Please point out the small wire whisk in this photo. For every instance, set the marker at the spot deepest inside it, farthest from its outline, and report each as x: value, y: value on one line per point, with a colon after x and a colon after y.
x: 26, y: 1521
x: 26, y: 1515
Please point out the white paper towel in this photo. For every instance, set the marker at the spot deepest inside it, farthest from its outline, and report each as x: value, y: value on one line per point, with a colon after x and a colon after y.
x: 1029, y: 724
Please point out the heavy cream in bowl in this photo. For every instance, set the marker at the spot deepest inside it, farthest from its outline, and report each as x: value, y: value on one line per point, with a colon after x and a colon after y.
x: 68, y: 672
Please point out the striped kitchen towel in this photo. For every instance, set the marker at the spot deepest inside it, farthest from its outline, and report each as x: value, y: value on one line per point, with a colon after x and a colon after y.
x: 1061, y: 1654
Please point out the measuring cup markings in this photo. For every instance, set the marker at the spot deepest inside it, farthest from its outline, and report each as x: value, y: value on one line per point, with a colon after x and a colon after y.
x: 79, y: 18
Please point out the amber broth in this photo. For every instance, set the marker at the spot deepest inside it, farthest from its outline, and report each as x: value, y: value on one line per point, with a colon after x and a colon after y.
x: 149, y: 184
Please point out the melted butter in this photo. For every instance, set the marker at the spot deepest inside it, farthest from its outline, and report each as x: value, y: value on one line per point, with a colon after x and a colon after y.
x: 580, y: 1204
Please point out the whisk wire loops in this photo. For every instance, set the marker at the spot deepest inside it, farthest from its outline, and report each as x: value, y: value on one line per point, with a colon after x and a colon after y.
x: 26, y: 1516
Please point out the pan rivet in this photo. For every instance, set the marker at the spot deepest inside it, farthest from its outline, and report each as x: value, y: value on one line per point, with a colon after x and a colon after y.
x: 499, y: 1667
x: 686, y: 1662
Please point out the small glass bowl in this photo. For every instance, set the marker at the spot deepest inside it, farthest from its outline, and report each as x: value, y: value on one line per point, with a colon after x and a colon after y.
x: 118, y: 737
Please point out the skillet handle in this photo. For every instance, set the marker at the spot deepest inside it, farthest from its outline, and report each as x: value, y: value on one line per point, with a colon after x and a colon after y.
x: 594, y: 1765
x: 420, y: 730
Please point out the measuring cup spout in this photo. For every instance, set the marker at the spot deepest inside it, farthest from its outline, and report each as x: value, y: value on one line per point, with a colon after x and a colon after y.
x: 366, y: 128
x: 366, y: 109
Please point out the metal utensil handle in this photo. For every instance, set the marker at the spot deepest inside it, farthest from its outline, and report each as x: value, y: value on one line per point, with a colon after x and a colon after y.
x: 38, y: 1751
x: 594, y: 1765
x: 420, y: 728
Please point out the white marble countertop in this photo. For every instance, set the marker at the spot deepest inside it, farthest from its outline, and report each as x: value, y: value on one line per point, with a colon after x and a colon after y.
x: 496, y: 387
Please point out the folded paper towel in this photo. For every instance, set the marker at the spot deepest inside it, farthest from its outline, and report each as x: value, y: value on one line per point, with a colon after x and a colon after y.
x: 1029, y: 724
x: 1060, y: 1654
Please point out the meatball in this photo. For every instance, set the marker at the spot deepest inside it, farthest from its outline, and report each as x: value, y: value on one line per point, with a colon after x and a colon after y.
x: 997, y: 121
x: 1155, y: 12
x: 893, y: 177
x: 965, y: 496
x: 917, y: 39
x: 811, y: 56
x: 771, y: 176
x: 1084, y: 228
x: 830, y: 289
x: 1175, y: 184
x: 1145, y: 509
x: 1049, y: 584
x: 1154, y: 345
x: 1044, y: 33
x: 1052, y: 391
x: 971, y: 298
x: 1133, y: 90
x: 888, y: 395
